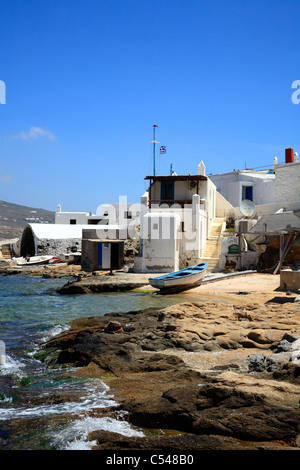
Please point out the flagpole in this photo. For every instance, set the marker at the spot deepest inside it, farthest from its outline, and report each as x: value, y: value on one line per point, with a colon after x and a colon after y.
x: 154, y: 142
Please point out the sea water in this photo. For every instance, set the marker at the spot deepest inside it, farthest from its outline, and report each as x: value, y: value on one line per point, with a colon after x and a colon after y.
x: 43, y: 408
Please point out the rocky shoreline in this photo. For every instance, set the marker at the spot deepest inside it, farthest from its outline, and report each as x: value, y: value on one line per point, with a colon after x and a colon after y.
x: 59, y: 270
x: 80, y: 281
x: 206, y: 375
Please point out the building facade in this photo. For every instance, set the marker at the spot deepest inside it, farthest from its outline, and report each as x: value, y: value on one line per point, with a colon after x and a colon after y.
x: 256, y: 186
x: 174, y: 227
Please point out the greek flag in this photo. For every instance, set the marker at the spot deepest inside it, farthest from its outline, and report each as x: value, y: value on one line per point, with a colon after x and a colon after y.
x: 163, y: 149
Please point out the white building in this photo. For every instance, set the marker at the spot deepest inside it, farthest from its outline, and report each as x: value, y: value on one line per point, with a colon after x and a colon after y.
x: 175, y: 227
x: 122, y: 213
x: 78, y: 218
x: 111, y: 222
x: 237, y: 185
x: 287, y: 179
x: 273, y: 215
x: 59, y: 239
x: 277, y: 185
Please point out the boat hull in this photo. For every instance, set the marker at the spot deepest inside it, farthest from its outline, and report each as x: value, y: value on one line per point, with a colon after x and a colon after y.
x: 185, y: 277
x: 38, y: 260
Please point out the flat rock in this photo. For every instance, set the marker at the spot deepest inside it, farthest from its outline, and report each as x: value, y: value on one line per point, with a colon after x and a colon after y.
x: 104, y: 283
x: 186, y: 368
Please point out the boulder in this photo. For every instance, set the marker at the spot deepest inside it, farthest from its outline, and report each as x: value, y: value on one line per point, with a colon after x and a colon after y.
x: 230, y: 406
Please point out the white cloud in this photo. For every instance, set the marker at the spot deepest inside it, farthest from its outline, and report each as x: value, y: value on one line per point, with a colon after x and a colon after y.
x: 34, y: 133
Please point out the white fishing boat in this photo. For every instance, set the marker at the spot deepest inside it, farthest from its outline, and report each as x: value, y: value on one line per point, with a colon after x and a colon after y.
x: 37, y: 260
x: 185, y: 277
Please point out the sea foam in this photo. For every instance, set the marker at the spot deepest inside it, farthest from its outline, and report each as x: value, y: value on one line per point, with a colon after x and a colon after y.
x: 75, y: 435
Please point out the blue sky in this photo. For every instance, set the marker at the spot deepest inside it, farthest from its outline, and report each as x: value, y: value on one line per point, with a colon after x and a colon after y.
x: 87, y: 79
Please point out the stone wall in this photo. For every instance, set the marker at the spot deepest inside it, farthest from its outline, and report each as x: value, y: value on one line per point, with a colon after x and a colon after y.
x: 56, y: 247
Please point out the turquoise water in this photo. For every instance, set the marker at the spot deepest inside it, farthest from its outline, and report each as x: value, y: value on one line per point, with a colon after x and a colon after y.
x: 31, y: 312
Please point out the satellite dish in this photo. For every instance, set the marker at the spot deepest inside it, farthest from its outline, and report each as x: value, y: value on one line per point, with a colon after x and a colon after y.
x: 247, y: 208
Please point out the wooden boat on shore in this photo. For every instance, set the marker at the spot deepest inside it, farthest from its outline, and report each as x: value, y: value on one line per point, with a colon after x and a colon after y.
x: 184, y: 277
x: 37, y: 260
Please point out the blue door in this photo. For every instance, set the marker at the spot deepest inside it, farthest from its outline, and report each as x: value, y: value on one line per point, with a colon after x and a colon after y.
x: 249, y: 193
x: 167, y: 191
x: 99, y: 255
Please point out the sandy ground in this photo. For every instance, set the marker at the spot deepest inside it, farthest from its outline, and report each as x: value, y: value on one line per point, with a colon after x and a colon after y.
x: 256, y: 287
x: 250, y: 289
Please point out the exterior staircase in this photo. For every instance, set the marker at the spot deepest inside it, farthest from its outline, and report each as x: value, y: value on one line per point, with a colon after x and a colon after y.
x: 6, y: 252
x: 211, y: 250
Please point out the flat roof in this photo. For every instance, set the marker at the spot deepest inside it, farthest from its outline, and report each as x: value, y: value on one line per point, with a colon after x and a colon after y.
x: 65, y: 231
x: 177, y: 178
x: 262, y: 174
x: 104, y: 240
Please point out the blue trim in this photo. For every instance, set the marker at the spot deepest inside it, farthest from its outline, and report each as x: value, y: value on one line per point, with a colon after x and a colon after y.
x: 99, y: 255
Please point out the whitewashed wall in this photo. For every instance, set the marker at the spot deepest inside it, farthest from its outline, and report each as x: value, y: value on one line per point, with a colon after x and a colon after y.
x: 230, y: 185
x: 65, y: 217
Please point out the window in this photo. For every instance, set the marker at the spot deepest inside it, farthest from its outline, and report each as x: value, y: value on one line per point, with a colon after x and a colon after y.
x: 247, y: 193
x: 73, y: 221
x: 93, y: 221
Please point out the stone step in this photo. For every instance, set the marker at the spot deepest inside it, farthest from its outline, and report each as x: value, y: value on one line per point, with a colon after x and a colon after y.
x: 6, y: 251
x: 211, y: 250
x: 210, y: 254
x: 211, y: 261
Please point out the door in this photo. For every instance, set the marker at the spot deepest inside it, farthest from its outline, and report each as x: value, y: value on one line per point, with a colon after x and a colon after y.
x: 167, y: 191
x: 249, y: 193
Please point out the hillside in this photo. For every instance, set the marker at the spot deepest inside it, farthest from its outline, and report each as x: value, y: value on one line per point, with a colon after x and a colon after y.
x: 14, y: 218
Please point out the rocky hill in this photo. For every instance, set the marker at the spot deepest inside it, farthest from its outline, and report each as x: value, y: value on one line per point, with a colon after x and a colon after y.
x: 14, y: 217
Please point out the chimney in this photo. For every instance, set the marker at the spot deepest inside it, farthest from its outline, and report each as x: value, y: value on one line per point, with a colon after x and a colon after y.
x: 201, y: 169
x: 289, y: 155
